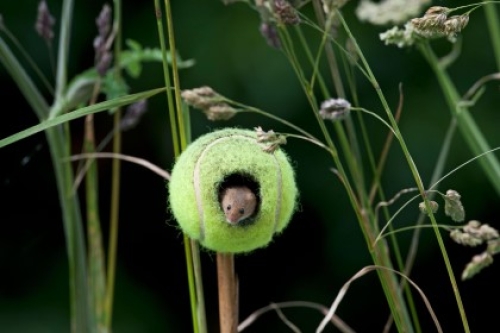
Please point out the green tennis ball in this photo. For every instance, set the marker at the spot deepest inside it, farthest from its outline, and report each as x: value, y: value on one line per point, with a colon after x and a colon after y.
x: 215, y: 160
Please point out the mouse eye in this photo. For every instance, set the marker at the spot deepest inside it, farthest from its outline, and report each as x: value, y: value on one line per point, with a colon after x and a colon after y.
x: 241, y: 211
x: 228, y: 207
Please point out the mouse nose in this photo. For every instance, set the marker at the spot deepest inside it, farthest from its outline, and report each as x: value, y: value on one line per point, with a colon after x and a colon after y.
x: 232, y: 219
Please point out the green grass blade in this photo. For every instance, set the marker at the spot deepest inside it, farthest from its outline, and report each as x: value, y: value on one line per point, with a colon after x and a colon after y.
x: 494, y: 29
x: 466, y: 123
x: 115, y: 181
x: 99, y: 107
x: 23, y: 81
x: 58, y: 142
x: 81, y: 318
x: 96, y: 275
x: 63, y: 49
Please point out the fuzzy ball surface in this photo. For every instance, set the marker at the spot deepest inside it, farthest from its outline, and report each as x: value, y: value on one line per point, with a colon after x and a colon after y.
x: 201, y: 170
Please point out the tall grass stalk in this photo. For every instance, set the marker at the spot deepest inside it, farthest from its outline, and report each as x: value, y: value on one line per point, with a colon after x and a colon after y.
x: 58, y: 138
x: 86, y: 283
x: 180, y: 139
x: 356, y: 192
x: 466, y: 123
x: 115, y: 178
x: 416, y: 176
x: 493, y: 23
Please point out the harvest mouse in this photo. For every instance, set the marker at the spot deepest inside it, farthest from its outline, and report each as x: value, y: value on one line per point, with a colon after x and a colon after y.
x: 238, y: 203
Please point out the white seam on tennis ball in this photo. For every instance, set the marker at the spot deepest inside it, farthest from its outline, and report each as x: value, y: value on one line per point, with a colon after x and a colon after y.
x: 279, y: 194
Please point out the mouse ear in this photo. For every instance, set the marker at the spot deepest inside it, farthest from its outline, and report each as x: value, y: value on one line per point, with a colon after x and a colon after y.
x: 206, y: 164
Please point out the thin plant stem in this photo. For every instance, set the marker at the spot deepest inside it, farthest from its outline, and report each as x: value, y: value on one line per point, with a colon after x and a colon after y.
x: 81, y: 317
x: 96, y: 262
x: 310, y: 58
x: 58, y: 144
x: 389, y: 284
x: 416, y: 176
x: 179, y: 139
x: 379, y: 254
x: 492, y: 20
x: 494, y: 29
x: 436, y: 177
x: 114, y: 222
x: 200, y: 298
x: 23, y: 81
x: 82, y: 320
x: 412, y: 251
x: 97, y: 279
x: 115, y: 178
x: 364, y: 271
x: 192, y: 285
x: 376, y: 188
x: 29, y: 59
x: 469, y: 130
x: 377, y: 168
x: 335, y: 320
x: 447, y: 227
x: 337, y: 80
x: 193, y: 261
x: 385, y: 152
x: 466, y: 123
x: 350, y: 147
x: 317, y: 143
x: 247, y: 108
x: 62, y: 57
x: 166, y: 78
x: 288, y: 49
x: 199, y: 307
x: 139, y: 161
x: 175, y: 74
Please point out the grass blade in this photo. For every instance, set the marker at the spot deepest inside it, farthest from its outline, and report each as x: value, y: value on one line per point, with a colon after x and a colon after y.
x: 99, y: 107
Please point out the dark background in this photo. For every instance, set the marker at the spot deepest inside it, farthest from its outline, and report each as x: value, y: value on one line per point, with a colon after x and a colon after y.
x: 322, y: 247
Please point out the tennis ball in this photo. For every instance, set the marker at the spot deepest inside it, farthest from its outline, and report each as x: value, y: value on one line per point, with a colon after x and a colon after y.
x: 224, y: 158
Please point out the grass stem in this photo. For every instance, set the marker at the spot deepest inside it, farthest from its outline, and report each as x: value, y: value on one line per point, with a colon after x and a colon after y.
x: 115, y: 178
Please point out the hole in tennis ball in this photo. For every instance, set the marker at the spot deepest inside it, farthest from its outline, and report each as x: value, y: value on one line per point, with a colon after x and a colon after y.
x: 239, y: 198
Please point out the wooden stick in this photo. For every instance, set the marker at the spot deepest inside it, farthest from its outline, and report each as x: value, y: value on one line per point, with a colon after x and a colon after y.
x: 228, y: 293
